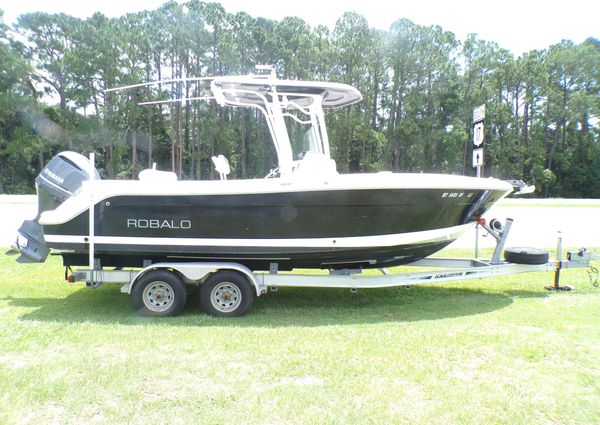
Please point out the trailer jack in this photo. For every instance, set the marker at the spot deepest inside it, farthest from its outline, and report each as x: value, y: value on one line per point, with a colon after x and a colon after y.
x: 579, y: 259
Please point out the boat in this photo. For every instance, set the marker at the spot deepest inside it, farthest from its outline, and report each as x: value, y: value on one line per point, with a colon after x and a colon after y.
x: 304, y: 214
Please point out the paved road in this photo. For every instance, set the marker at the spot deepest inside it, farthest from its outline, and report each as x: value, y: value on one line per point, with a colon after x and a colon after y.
x: 13, y: 210
x: 536, y: 221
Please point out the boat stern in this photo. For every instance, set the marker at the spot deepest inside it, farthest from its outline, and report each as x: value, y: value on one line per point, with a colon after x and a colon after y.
x: 59, y: 180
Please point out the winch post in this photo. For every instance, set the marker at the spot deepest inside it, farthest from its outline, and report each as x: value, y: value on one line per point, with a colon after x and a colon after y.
x: 501, y: 240
x: 499, y: 232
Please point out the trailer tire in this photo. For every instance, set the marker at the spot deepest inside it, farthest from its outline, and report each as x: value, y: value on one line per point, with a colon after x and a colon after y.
x: 159, y: 293
x: 226, y: 294
x: 525, y: 255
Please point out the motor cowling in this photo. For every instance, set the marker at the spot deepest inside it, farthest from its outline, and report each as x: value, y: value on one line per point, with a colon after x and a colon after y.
x: 61, y: 178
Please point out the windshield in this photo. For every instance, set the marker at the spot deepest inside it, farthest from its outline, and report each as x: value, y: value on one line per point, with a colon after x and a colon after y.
x: 304, y: 134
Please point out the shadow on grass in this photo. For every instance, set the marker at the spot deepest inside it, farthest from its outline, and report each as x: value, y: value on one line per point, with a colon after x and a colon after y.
x: 287, y: 307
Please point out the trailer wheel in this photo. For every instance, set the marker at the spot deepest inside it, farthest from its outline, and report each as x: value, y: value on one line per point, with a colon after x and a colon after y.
x: 159, y: 293
x: 524, y: 255
x: 226, y: 294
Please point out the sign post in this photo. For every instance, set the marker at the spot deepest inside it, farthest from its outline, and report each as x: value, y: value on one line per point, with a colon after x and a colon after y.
x: 478, y: 136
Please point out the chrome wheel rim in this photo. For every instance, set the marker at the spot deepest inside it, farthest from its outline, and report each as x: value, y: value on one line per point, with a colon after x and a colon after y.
x: 226, y: 297
x: 158, y: 296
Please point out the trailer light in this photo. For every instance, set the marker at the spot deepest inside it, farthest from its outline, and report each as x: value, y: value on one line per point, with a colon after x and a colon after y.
x: 70, y: 278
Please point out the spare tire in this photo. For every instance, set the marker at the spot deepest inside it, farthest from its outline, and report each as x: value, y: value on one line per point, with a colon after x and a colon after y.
x: 525, y: 255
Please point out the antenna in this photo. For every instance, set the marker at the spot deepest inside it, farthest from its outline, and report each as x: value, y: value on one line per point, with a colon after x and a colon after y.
x: 182, y: 99
x: 155, y: 83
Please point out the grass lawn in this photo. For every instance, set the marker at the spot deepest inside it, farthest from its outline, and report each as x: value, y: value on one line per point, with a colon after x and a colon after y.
x: 498, y: 350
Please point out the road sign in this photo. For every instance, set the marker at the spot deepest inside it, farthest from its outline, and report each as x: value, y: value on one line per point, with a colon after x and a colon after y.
x: 479, y: 114
x: 478, y: 157
x: 478, y: 134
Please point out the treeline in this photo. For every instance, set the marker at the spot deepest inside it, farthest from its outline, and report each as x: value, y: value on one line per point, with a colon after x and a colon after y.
x: 420, y: 85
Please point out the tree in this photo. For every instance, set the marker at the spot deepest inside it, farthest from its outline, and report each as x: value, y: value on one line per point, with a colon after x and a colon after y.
x: 351, y: 37
x: 419, y: 86
x: 22, y: 151
x: 51, y: 49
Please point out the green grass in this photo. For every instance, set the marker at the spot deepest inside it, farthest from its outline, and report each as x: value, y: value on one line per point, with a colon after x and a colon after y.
x: 497, y: 350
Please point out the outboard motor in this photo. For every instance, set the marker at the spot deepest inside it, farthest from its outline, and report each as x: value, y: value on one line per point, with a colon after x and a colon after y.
x: 60, y: 179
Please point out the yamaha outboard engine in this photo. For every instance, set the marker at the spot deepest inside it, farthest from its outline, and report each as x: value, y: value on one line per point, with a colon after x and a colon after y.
x: 60, y: 179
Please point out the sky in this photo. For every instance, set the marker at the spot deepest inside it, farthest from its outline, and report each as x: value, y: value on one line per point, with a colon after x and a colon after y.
x: 517, y: 25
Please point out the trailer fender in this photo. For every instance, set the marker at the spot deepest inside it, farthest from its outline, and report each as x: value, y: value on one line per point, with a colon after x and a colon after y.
x: 200, y: 271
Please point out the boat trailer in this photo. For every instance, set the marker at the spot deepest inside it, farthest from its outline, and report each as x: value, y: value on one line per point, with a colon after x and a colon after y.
x: 228, y: 289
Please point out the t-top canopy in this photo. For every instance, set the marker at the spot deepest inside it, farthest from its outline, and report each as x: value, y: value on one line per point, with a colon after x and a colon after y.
x: 257, y: 90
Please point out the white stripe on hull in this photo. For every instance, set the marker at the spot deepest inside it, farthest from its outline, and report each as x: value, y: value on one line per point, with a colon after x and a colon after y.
x: 438, y: 235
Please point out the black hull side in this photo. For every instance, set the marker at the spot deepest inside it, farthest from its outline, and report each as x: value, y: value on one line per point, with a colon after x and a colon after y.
x: 256, y: 229
x: 315, y: 214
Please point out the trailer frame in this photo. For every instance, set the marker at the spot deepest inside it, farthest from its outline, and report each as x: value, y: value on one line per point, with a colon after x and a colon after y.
x: 222, y: 300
